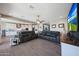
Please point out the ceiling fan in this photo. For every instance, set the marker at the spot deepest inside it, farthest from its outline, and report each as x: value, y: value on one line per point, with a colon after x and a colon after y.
x: 38, y: 20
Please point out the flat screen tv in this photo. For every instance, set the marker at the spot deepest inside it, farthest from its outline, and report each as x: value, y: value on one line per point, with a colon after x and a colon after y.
x: 72, y: 18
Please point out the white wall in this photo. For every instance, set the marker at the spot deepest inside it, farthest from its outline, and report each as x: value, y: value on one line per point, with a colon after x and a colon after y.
x: 63, y: 30
x: 11, y: 24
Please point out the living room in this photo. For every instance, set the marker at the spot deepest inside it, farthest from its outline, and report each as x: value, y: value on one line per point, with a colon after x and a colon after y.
x: 35, y: 26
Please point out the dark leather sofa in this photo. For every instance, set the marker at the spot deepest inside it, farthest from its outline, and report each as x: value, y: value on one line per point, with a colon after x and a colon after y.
x: 73, y: 35
x: 25, y: 36
x: 53, y: 36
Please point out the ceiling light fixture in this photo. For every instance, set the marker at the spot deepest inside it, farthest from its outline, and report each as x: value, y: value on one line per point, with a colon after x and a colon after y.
x: 38, y: 20
x: 30, y: 6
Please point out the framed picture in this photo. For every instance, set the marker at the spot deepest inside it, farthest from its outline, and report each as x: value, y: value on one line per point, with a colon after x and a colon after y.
x: 61, y: 25
x: 54, y: 26
x: 46, y: 27
x: 18, y: 25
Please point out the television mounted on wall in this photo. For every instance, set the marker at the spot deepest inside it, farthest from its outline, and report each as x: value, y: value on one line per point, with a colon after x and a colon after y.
x: 72, y: 18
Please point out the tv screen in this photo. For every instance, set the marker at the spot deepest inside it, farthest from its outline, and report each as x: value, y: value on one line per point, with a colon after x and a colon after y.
x: 72, y: 18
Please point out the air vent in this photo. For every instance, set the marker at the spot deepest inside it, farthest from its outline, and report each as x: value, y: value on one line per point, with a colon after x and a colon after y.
x: 30, y: 6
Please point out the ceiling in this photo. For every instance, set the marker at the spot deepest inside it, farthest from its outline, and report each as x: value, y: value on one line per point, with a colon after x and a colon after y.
x: 30, y: 11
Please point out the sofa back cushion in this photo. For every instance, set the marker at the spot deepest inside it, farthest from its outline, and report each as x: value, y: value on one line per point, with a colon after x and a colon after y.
x: 51, y: 33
